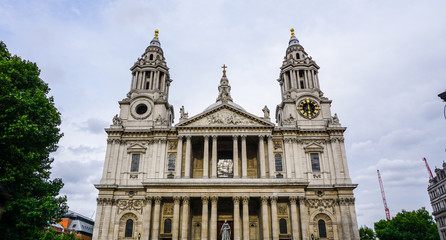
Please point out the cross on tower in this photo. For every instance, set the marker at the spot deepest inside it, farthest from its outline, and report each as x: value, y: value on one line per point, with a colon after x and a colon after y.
x: 224, y: 70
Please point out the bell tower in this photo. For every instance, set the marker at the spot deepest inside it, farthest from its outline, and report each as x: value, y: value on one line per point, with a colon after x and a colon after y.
x: 147, y: 103
x: 302, y: 99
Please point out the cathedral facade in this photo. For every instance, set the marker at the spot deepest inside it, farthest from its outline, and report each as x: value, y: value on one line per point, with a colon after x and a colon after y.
x: 225, y: 173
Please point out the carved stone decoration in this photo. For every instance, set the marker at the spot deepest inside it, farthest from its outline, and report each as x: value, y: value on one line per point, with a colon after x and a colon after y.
x: 346, y: 201
x: 282, y: 208
x: 225, y: 168
x: 105, y: 201
x: 132, y: 204
x: 133, y: 176
x: 173, y: 145
x: 277, y: 145
x: 290, y: 120
x: 168, y: 209
x: 264, y: 199
x: 227, y: 118
x: 236, y: 200
x: 183, y: 115
x: 320, y: 203
x: 245, y: 199
x: 160, y: 120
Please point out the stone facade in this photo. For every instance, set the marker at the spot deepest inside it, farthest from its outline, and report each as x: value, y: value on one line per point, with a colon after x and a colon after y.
x: 288, y: 180
x: 437, y: 194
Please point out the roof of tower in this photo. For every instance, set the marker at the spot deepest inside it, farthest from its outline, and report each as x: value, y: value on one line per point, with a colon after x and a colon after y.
x: 155, y: 41
x: 293, y: 39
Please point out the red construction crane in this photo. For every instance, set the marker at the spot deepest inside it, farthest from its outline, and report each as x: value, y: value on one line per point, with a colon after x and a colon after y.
x: 384, y: 196
x: 428, y: 169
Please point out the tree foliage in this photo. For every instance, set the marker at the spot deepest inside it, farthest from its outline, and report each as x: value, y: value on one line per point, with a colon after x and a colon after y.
x: 51, y: 234
x: 406, y: 225
x: 366, y: 233
x: 29, y: 132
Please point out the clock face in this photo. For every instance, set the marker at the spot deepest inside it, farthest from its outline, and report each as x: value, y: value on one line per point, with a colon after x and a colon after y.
x: 308, y: 108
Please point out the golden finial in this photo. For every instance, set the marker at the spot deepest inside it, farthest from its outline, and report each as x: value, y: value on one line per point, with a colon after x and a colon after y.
x: 156, y: 33
x: 224, y: 70
x: 292, y: 32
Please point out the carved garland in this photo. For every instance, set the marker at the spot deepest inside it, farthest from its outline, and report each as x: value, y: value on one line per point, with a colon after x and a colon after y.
x: 130, y: 205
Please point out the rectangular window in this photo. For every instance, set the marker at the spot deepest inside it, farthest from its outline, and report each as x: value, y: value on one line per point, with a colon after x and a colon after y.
x: 135, y: 163
x: 315, y: 162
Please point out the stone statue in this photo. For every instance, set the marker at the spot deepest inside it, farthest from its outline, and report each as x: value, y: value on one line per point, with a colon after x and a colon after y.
x: 225, y: 231
x: 117, y: 120
x: 265, y: 112
x: 335, y: 118
x: 183, y: 115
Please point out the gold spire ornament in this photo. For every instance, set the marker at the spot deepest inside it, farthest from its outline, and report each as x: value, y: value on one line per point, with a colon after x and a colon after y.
x: 224, y: 70
x: 292, y: 32
x: 156, y: 33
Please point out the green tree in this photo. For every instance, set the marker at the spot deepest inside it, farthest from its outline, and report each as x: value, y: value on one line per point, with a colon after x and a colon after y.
x: 50, y: 234
x: 366, y: 233
x: 406, y: 225
x: 29, y: 132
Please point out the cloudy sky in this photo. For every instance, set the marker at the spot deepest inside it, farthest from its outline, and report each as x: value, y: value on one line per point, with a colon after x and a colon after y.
x: 383, y: 63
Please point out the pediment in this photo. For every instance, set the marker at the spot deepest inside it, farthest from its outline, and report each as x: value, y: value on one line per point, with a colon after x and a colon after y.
x: 313, y: 147
x: 225, y: 116
x: 136, y: 148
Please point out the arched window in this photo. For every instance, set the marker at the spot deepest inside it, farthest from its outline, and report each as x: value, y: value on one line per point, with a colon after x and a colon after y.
x: 129, y: 228
x: 135, y: 163
x: 278, y: 160
x: 283, y: 226
x: 171, y: 163
x: 151, y: 57
x: 168, y: 226
x: 322, y: 229
x: 297, y: 55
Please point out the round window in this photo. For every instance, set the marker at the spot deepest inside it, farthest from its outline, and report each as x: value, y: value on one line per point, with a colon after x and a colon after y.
x: 141, y: 109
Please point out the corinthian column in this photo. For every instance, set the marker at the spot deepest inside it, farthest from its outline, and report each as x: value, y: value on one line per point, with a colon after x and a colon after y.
x: 204, y: 217
x: 271, y: 157
x: 235, y: 155
x: 262, y: 157
x: 176, y: 217
x: 236, y: 218
x: 245, y: 218
x: 265, y: 221
x: 185, y: 219
x: 179, y: 157
x: 294, y: 218
x: 206, y: 157
x: 147, y: 215
x: 244, y: 159
x: 213, y: 234
x: 188, y: 156
x: 274, y: 222
x: 214, y: 156
x: 156, y: 218
x: 303, y: 218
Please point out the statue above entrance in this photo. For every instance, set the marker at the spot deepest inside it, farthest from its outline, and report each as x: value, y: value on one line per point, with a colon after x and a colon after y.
x: 225, y: 231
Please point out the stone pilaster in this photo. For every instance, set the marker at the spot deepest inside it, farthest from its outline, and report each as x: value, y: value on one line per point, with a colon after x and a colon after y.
x: 156, y: 218
x: 236, y: 201
x: 262, y: 157
x: 204, y: 217
x: 147, y: 217
x: 179, y: 157
x: 213, y: 234
x: 244, y: 158
x: 294, y: 218
x: 235, y: 155
x: 176, y: 217
x: 185, y: 219
x: 206, y: 157
x: 188, y: 157
x: 245, y: 217
x: 274, y: 222
x: 214, y: 156
x: 303, y: 218
x: 265, y: 220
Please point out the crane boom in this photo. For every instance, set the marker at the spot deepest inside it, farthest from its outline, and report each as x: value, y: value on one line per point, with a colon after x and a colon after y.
x: 386, y: 209
x: 428, y: 169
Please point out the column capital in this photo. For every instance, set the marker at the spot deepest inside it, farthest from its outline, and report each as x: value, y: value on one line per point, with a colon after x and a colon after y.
x: 270, y: 137
x: 245, y: 199
x: 214, y: 137
x: 180, y: 137
x: 205, y: 199
x: 261, y: 136
x: 301, y: 199
x: 214, y: 199
x: 148, y: 199
x: 236, y: 200
x: 176, y: 199
x: 188, y: 137
x: 157, y: 199
x: 264, y: 199
x: 235, y: 137
x: 243, y: 136
x: 293, y: 199
x: 206, y: 137
x: 185, y: 199
x: 273, y: 199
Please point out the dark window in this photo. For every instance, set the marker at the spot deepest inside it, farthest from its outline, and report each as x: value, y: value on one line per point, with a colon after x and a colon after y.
x: 302, y: 84
x: 147, y: 85
x: 168, y: 226
x: 315, y: 162
x: 297, y: 55
x: 171, y: 163
x: 135, y: 163
x: 151, y: 57
x: 141, y: 109
x: 129, y: 228
x: 283, y: 226
x: 278, y: 159
x: 322, y: 229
